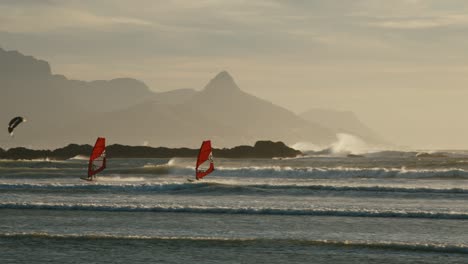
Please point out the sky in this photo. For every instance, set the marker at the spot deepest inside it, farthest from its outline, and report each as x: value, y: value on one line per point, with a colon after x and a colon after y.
x: 400, y: 65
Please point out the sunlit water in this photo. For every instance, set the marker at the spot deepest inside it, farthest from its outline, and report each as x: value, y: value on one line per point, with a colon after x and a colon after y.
x: 383, y: 208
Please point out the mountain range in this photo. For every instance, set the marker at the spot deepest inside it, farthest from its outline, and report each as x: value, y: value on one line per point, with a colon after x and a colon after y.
x: 126, y: 111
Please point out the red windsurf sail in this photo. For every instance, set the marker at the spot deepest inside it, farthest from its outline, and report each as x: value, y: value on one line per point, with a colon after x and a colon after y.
x: 205, y: 163
x: 97, y: 160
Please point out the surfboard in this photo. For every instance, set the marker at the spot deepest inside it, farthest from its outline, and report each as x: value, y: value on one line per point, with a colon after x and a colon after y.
x: 86, y: 179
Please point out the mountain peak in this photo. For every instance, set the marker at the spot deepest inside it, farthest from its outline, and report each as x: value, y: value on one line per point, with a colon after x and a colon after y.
x: 222, y: 81
x: 223, y: 74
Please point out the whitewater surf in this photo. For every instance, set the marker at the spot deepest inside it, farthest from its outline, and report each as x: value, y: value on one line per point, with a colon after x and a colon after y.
x: 385, y: 205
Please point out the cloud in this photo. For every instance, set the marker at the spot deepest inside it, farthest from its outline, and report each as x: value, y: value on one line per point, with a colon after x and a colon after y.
x: 40, y: 19
x: 410, y: 14
x: 423, y: 22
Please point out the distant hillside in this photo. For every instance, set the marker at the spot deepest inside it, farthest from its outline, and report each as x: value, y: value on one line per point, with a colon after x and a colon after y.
x: 178, y: 96
x: 225, y: 102
x: 30, y: 82
x: 52, y: 102
x: 341, y: 122
x: 221, y: 112
x: 126, y: 111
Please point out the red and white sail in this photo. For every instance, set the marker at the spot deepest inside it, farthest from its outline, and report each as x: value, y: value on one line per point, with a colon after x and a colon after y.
x: 97, y: 160
x: 205, y: 163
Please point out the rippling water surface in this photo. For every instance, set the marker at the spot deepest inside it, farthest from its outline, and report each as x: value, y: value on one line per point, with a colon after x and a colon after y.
x: 385, y: 207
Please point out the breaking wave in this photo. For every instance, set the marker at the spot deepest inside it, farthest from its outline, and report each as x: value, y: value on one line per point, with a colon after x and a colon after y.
x: 46, y: 159
x: 79, y: 157
x: 230, y: 187
x: 279, y: 172
x: 100, y: 186
x: 344, y: 144
x: 172, y: 166
x: 424, y: 247
x: 121, y: 179
x: 240, y: 210
x: 339, y: 172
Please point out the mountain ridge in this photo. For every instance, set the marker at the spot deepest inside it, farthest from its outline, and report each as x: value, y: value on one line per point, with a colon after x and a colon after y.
x: 125, y: 109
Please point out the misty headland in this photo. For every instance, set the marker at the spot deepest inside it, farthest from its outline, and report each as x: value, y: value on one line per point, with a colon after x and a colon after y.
x: 60, y: 110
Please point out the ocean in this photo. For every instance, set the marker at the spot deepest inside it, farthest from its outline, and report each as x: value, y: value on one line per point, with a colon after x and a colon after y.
x: 385, y: 207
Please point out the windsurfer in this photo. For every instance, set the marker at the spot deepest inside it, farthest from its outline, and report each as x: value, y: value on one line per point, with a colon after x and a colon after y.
x: 205, y: 154
x: 98, y: 155
x: 92, y: 177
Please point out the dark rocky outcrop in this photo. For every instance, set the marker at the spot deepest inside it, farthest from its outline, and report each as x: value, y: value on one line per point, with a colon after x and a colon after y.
x: 261, y: 149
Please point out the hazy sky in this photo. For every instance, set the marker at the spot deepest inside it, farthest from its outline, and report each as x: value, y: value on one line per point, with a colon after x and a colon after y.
x: 401, y: 65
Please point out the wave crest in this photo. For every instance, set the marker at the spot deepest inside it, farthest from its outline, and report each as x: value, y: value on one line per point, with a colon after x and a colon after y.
x: 240, y: 210
x: 226, y: 187
x: 428, y: 247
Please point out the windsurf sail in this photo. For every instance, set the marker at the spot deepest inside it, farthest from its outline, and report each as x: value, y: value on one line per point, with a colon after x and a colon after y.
x: 205, y: 163
x: 97, y: 160
x: 14, y: 123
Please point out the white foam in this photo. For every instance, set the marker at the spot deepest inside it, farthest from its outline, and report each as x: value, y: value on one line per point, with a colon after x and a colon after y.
x: 112, y: 178
x: 345, y: 144
x: 238, y: 210
x: 79, y: 157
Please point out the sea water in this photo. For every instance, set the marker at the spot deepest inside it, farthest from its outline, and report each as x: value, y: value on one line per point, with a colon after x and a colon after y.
x: 388, y: 207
